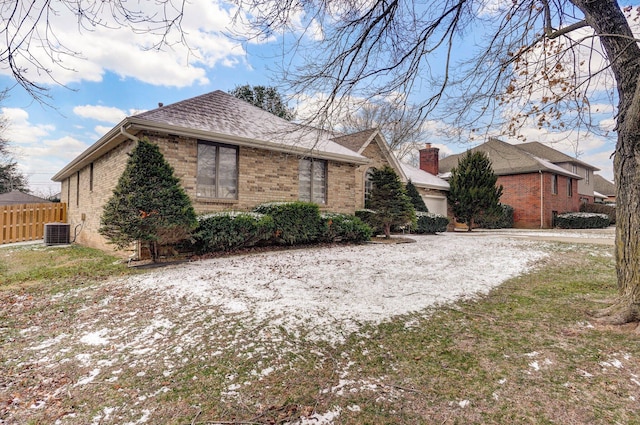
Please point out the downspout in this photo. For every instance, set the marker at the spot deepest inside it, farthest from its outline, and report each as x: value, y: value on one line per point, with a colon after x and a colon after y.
x: 128, y: 135
x: 541, y: 199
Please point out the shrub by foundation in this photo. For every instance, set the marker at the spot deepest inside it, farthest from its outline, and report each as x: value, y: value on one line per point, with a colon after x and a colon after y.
x: 344, y: 228
x: 295, y: 222
x: 430, y: 223
x: 229, y: 231
x: 582, y: 220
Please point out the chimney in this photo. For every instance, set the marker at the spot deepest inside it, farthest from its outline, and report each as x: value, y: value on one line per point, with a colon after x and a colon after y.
x: 429, y: 159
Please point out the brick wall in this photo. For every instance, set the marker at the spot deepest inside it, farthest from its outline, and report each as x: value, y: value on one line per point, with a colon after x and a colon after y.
x: 263, y: 176
x: 522, y: 192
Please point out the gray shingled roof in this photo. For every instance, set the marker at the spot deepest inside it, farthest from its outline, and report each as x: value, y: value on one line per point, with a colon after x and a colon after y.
x: 355, y: 141
x: 604, y: 186
x: 221, y: 117
x: 552, y: 155
x: 221, y: 113
x: 508, y: 159
x: 16, y: 197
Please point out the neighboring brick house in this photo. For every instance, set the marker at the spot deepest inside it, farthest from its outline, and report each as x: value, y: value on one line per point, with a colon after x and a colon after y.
x: 536, y: 186
x: 229, y: 155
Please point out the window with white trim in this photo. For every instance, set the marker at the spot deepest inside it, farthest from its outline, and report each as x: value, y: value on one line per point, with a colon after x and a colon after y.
x: 569, y: 187
x: 312, y: 180
x: 217, y: 171
x: 554, y: 184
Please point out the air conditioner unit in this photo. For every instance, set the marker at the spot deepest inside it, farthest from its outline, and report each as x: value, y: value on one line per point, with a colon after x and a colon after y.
x: 57, y: 233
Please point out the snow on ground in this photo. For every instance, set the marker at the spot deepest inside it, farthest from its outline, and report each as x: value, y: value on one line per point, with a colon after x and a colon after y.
x: 328, y: 292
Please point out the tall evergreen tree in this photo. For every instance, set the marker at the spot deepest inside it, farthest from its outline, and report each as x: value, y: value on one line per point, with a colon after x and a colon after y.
x: 472, y: 188
x: 148, y: 203
x: 11, y: 178
x: 390, y: 201
x: 266, y: 98
x: 416, y: 199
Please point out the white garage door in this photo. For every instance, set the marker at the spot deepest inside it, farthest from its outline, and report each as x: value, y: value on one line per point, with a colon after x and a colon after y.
x: 436, y: 204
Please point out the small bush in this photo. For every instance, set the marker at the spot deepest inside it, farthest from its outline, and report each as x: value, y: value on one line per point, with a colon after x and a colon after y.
x: 366, y: 216
x: 609, y: 210
x: 344, y: 228
x: 295, y: 222
x: 430, y: 223
x: 503, y: 219
x: 228, y: 231
x: 582, y: 220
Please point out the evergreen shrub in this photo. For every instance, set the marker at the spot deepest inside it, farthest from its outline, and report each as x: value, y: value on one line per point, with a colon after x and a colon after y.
x: 609, y: 210
x: 295, y: 222
x: 582, y: 220
x: 430, y: 223
x: 366, y: 216
x: 501, y: 219
x: 344, y: 228
x: 229, y: 231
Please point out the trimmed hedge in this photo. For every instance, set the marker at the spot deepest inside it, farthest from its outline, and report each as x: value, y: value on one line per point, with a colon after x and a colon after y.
x: 609, y: 210
x: 228, y: 231
x: 430, y: 223
x: 344, y: 228
x: 582, y: 220
x: 500, y: 220
x: 295, y: 222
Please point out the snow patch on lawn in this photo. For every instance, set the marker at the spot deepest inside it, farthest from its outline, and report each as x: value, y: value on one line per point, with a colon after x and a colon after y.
x: 327, y: 293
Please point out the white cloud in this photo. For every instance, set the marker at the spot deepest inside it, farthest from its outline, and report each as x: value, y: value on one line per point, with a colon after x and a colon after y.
x: 101, y: 113
x: 19, y: 130
x: 131, y: 54
x: 101, y: 130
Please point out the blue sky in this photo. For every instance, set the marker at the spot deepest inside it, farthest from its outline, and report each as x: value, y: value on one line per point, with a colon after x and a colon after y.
x: 114, y: 76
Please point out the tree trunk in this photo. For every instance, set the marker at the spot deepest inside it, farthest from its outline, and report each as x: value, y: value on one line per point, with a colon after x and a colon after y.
x: 608, y: 21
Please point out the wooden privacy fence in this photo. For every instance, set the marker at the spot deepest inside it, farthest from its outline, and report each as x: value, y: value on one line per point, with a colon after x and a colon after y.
x: 25, y: 222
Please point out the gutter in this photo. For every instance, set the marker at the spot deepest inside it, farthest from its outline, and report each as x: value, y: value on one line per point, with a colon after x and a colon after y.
x: 128, y: 135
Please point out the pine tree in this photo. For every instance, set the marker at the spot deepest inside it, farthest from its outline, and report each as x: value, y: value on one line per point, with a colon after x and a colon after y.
x: 416, y: 199
x: 267, y: 98
x: 389, y: 200
x: 472, y: 188
x: 148, y: 203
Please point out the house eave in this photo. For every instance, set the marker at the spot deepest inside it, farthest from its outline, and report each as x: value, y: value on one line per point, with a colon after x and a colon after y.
x: 116, y: 136
x: 138, y: 124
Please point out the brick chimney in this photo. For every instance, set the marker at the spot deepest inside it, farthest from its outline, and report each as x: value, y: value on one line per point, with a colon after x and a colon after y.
x: 429, y: 159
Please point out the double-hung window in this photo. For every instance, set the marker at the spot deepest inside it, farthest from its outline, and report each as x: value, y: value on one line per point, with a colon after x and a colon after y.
x: 217, y: 171
x: 554, y: 184
x: 569, y: 187
x: 312, y: 180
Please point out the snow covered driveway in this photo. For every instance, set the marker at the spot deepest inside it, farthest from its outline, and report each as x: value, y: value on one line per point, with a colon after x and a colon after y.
x: 326, y: 293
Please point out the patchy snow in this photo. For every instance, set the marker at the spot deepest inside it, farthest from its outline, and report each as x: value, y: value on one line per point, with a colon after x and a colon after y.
x: 327, y: 293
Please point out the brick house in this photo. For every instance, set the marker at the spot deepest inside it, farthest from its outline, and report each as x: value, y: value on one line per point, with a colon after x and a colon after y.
x: 539, y: 182
x: 229, y: 155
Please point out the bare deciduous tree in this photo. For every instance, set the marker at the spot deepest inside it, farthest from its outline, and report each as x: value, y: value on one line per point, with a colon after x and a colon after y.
x: 529, y: 50
x: 400, y: 123
x: 29, y: 26
x: 530, y: 59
